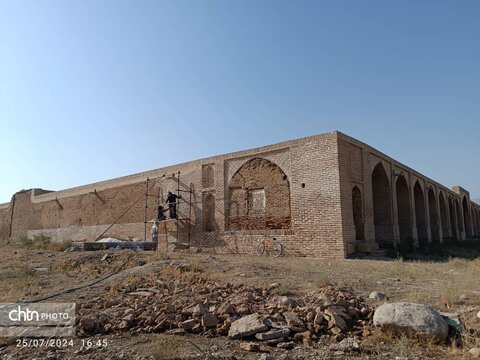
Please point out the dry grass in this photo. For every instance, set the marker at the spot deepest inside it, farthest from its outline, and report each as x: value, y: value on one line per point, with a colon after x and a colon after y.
x: 170, y: 347
x: 133, y: 282
x: 42, y: 242
x: 439, y: 284
x: 283, y: 290
x: 407, y: 347
x: 190, y: 273
x: 17, y: 281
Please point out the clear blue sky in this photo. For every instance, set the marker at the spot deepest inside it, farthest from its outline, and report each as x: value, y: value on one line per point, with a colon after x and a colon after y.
x: 91, y: 90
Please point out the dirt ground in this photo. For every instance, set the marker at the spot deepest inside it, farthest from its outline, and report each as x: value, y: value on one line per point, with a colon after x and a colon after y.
x: 449, y: 286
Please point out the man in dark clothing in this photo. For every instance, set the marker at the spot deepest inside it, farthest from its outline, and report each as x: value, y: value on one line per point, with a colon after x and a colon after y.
x: 172, y: 204
x: 160, y: 211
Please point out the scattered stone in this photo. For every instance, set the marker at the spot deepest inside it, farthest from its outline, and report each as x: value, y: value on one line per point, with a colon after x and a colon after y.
x: 140, y: 293
x: 348, y: 345
x: 171, y: 308
x: 246, y: 326
x: 105, y: 257
x: 273, y: 286
x: 286, y: 301
x: 198, y: 309
x: 249, y: 346
x: 111, y: 303
x: 209, y: 320
x: 275, y: 342
x: 287, y: 345
x: 273, y: 334
x: 267, y: 357
x: 377, y: 295
x: 475, y: 352
x: 408, y: 318
x: 335, y: 330
x: 188, y: 324
x: 310, y: 316
x: 306, y: 335
x: 478, y: 314
x: 326, y: 299
x: 293, y: 320
x: 88, y: 325
x: 224, y: 309
x: 318, y: 318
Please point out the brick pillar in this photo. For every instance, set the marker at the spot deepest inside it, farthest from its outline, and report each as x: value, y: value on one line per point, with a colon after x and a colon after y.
x: 396, y: 229
x: 427, y: 213
x: 368, y: 203
x: 411, y: 189
x: 439, y: 215
x: 449, y: 222
x: 463, y: 233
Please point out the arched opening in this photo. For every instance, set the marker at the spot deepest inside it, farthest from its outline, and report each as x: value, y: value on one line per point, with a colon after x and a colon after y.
x: 443, y: 215
x: 466, y: 218
x: 208, y: 212
x: 459, y: 217
x: 382, y: 207
x: 453, y: 219
x: 432, y: 207
x: 474, y: 221
x: 358, y: 213
x: 478, y: 222
x: 259, y: 197
x: 208, y: 176
x: 404, y: 213
x: 420, y: 215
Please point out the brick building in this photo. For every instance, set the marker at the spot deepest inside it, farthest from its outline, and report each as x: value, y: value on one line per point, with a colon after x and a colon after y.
x: 326, y: 196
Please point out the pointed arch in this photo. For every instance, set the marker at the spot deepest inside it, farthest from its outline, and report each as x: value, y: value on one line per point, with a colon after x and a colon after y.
x: 443, y: 215
x: 420, y: 214
x: 404, y: 212
x: 208, y: 212
x: 432, y: 209
x: 357, y: 206
x: 459, y: 217
x: 382, y: 207
x: 453, y: 220
x: 466, y: 218
x: 259, y: 197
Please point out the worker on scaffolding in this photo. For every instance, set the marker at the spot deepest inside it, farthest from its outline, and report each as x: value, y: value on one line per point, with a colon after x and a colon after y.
x: 172, y: 204
x: 160, y: 213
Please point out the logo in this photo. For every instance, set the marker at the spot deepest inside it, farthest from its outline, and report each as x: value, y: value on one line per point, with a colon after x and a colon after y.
x: 37, y: 319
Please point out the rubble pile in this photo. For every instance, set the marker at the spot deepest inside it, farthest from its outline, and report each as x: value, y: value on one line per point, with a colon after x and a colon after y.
x: 223, y: 309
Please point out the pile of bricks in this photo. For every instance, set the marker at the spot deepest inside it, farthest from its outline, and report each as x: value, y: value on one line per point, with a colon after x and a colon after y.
x: 222, y: 309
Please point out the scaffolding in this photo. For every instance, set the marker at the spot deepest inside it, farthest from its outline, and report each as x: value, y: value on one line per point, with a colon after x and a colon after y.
x: 149, y: 185
x: 180, y: 199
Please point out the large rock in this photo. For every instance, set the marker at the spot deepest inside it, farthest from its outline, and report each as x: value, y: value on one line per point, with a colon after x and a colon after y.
x: 410, y: 318
x: 246, y: 326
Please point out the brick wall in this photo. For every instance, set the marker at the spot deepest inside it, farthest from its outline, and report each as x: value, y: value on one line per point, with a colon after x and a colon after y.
x: 428, y: 212
x: 316, y: 219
